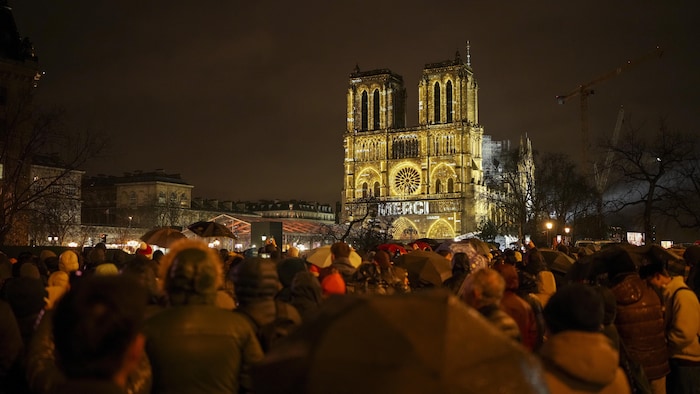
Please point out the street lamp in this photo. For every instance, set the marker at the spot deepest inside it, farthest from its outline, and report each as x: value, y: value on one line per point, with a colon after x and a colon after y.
x: 567, y: 230
x: 130, y: 218
x: 549, y: 226
x: 53, y: 239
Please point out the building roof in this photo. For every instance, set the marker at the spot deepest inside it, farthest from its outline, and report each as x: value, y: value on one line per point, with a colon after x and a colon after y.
x: 135, y: 177
x: 11, y: 45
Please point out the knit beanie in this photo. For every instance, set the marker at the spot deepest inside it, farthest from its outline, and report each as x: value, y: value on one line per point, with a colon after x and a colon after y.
x: 68, y: 262
x: 106, y: 269
x: 575, y: 307
x: 58, y: 279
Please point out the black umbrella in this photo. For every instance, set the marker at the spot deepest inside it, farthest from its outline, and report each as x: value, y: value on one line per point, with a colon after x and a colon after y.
x: 425, y: 266
x: 211, y: 229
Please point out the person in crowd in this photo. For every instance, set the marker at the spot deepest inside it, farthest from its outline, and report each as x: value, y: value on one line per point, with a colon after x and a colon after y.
x: 256, y: 284
x: 517, y: 308
x: 340, y: 256
x: 461, y: 268
x: 483, y: 291
x: 306, y: 295
x: 97, y: 335
x: 145, y: 276
x: 380, y: 277
x: 287, y: 269
x: 144, y: 249
x: 11, y: 349
x: 639, y: 320
x: 27, y: 298
x: 682, y: 328
x: 58, y: 285
x: 692, y: 258
x: 194, y: 346
x: 68, y: 262
x: 577, y: 357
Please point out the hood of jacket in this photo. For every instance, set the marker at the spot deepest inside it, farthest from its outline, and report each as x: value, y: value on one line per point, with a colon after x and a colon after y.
x: 629, y: 290
x: 585, y: 356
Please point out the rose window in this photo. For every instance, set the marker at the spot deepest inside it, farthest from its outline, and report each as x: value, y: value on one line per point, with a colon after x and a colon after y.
x: 407, y: 181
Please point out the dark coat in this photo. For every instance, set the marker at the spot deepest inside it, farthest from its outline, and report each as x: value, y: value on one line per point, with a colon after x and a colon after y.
x: 640, y: 323
x: 10, y: 345
x: 201, y: 349
x: 306, y: 295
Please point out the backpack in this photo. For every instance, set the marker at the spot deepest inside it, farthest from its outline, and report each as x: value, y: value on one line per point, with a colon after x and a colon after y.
x: 270, y: 333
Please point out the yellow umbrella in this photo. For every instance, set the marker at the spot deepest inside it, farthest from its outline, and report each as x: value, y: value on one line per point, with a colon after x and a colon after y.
x: 321, y: 257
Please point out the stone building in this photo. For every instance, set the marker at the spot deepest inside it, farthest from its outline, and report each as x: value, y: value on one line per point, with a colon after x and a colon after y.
x: 428, y: 180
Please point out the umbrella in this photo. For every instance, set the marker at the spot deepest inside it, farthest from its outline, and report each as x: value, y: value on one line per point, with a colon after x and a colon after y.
x: 392, y: 248
x: 557, y: 261
x: 211, y: 229
x: 425, y: 266
x: 479, y: 246
x: 321, y: 257
x: 626, y: 258
x: 162, y: 236
x: 426, y: 342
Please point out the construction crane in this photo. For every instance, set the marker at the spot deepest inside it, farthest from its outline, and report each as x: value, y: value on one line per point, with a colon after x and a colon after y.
x: 585, y: 90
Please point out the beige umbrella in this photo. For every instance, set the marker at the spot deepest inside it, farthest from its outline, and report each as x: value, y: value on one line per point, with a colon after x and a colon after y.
x: 424, y: 342
x: 321, y: 257
x: 162, y: 236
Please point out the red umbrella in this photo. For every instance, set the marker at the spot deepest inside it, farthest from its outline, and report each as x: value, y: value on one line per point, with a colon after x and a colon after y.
x: 392, y: 248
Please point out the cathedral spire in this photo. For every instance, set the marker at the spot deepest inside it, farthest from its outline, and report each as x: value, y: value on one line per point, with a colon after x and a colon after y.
x: 469, y: 55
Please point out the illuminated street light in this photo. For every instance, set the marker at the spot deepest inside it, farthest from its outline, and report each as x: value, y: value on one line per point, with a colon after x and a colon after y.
x: 567, y: 231
x: 549, y: 226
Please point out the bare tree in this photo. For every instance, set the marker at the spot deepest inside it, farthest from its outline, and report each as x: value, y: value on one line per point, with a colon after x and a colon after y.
x: 26, y: 133
x: 649, y: 171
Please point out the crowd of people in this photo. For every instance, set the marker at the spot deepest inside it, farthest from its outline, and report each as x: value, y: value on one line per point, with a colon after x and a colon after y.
x: 200, y: 320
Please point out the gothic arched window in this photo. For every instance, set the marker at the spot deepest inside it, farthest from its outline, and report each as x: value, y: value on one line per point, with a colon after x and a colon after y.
x: 448, y: 98
x: 438, y: 184
x: 450, y: 185
x: 365, y: 111
x: 377, y: 192
x: 365, y: 190
x: 436, y: 97
x: 375, y: 113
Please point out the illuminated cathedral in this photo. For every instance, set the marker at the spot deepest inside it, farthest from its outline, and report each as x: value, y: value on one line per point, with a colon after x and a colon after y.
x: 428, y: 179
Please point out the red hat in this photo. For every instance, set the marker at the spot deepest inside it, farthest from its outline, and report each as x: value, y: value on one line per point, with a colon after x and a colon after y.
x: 314, y: 270
x: 333, y: 284
x: 145, y: 250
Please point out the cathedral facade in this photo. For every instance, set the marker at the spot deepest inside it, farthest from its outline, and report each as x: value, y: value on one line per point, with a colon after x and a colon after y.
x: 426, y: 180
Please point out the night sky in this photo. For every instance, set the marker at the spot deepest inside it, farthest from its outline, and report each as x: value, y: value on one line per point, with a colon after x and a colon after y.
x: 246, y: 99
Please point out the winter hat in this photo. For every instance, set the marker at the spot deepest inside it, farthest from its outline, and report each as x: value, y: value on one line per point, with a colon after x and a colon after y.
x: 575, y: 307
x: 315, y: 271
x: 45, y: 254
x: 145, y: 250
x: 58, y: 279
x: 68, y: 261
x: 192, y: 273
x: 106, y: 269
x: 333, y: 284
x: 255, y: 279
x: 692, y: 255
